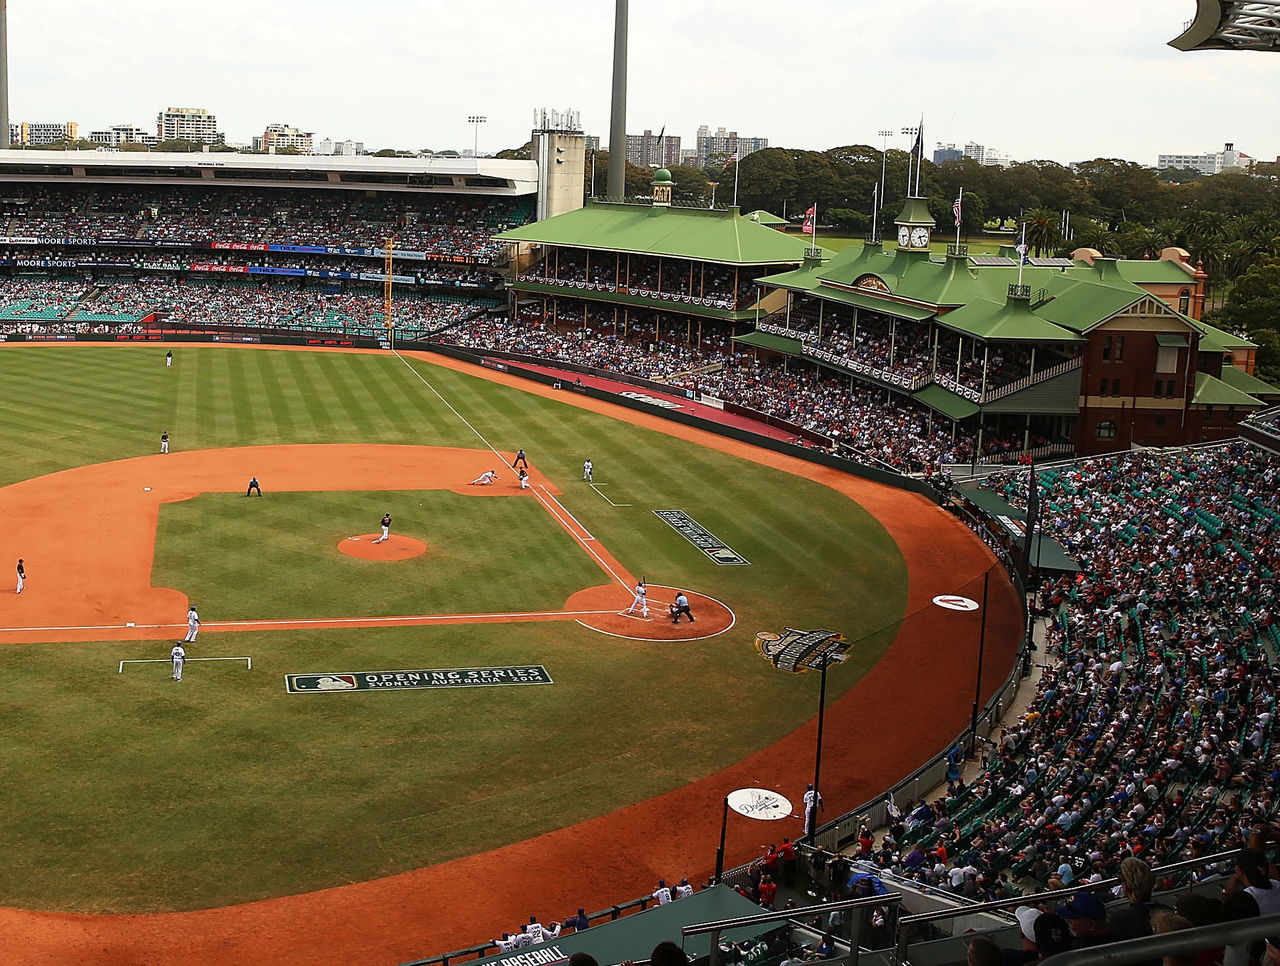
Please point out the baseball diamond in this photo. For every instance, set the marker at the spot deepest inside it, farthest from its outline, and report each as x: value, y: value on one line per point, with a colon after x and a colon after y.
x: 358, y: 806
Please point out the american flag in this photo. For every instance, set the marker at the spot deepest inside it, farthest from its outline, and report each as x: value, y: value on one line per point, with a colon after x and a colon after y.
x: 955, y: 209
x: 728, y: 161
x: 807, y: 227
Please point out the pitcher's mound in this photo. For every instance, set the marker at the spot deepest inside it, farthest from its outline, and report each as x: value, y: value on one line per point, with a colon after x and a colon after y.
x: 393, y: 548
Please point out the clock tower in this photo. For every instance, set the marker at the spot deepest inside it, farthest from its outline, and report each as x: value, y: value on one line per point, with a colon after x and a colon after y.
x: 915, y: 225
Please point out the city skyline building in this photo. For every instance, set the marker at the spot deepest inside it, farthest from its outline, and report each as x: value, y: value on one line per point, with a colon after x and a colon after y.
x: 1211, y: 162
x: 653, y: 150
x: 277, y: 136
x: 30, y: 133
x: 726, y: 143
x: 188, y: 124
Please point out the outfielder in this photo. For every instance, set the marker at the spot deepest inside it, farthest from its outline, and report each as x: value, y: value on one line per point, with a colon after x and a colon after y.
x: 193, y: 625
x: 586, y: 471
x: 164, y: 441
x: 386, y: 528
x: 179, y: 656
x: 641, y: 601
x: 22, y: 576
x: 485, y: 478
x: 168, y: 359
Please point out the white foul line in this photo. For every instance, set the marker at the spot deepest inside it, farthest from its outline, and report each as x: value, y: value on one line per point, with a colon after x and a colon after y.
x: 584, y: 543
x: 596, y: 487
x: 575, y: 520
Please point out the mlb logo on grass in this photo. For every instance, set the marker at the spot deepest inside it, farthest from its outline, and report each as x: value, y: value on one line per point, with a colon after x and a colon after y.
x: 323, y: 682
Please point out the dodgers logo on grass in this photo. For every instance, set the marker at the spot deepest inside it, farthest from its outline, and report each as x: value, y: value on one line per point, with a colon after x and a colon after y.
x: 796, y: 651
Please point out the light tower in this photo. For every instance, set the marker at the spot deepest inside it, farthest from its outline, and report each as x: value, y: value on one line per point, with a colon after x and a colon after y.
x: 4, y: 74
x: 618, y: 114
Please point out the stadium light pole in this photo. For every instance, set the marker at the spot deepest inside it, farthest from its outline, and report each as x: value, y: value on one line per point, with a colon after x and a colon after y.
x: 982, y: 646
x: 476, y: 120
x: 884, y: 158
x: 817, y: 758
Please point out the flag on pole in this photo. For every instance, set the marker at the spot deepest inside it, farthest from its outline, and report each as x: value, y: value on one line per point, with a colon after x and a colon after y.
x: 1023, y: 250
x: 728, y: 161
x: 956, y: 207
x: 809, y: 216
x: 917, y: 149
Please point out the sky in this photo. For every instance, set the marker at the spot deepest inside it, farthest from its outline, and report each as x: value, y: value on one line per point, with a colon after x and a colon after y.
x: 1032, y: 78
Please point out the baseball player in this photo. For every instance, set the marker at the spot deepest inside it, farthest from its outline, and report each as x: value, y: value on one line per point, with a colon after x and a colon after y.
x: 22, y: 575
x: 168, y: 359
x: 193, y: 625
x: 164, y: 441
x: 485, y: 478
x: 386, y: 528
x: 253, y: 487
x: 520, y: 458
x: 179, y: 656
x: 684, y: 890
x: 641, y: 601
x: 662, y: 893
x: 505, y: 944
x: 810, y: 797
x: 524, y: 479
x: 586, y: 471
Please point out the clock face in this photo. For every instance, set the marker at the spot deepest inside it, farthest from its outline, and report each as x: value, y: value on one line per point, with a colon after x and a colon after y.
x: 920, y: 238
x: 904, y: 236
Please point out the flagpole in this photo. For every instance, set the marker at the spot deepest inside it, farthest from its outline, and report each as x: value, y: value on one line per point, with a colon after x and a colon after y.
x: 959, y: 215
x: 815, y: 226
x: 920, y: 160
x: 735, y: 181
x: 875, y: 209
x: 1022, y: 253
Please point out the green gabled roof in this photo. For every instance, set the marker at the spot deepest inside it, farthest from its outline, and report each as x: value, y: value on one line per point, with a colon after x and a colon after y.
x: 1081, y: 303
x: 699, y: 234
x: 766, y: 218
x: 1211, y: 391
x: 1217, y: 340
x: 1239, y: 379
x: 915, y: 211
x: 799, y: 280
x: 1157, y: 272
x: 945, y: 401
x: 873, y: 303
x: 1010, y: 321
x: 775, y: 343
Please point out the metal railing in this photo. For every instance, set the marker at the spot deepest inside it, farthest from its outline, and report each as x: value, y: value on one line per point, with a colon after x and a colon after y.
x: 902, y: 940
x: 789, y: 915
x: 1182, y: 941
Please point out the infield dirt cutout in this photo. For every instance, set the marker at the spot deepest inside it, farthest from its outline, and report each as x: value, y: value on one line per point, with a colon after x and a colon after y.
x: 89, y: 588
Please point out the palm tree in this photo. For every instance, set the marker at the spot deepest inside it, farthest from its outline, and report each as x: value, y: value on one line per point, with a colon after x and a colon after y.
x: 1168, y: 233
x: 1093, y: 234
x: 1043, y: 234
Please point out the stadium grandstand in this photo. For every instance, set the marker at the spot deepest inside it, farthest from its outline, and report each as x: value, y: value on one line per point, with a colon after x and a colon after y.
x: 95, y: 243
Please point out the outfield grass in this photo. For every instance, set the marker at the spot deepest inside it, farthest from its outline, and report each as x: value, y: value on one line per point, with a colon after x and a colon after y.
x: 138, y: 794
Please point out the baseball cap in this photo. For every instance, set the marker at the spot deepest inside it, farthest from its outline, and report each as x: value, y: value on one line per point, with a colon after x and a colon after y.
x: 1083, y: 905
x: 1027, y: 916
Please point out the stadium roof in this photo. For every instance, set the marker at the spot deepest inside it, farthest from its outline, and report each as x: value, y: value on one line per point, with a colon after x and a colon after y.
x: 483, y: 176
x: 1239, y: 379
x: 699, y: 234
x: 1232, y: 25
x: 766, y: 218
x: 1008, y: 321
x: 1212, y: 391
x: 775, y: 343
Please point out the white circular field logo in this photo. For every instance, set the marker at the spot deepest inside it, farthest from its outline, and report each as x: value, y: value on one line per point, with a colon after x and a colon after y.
x: 761, y: 803
x: 954, y: 602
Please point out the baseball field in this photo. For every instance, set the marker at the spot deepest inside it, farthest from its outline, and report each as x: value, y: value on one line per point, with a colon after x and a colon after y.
x: 129, y: 793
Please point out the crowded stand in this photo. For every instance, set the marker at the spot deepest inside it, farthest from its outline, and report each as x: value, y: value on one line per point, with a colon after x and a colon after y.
x: 42, y: 305
x: 861, y: 421
x: 910, y: 354
x: 446, y: 226
x: 717, y: 286
x: 1151, y: 734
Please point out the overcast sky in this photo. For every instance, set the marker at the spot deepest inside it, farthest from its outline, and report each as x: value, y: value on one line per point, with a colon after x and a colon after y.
x: 1033, y: 78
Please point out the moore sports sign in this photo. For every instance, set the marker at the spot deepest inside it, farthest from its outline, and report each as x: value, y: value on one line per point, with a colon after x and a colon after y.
x: 426, y: 679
